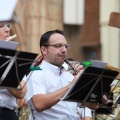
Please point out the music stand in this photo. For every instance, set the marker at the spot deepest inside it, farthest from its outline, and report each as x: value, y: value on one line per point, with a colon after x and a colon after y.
x: 13, y: 66
x: 91, y: 86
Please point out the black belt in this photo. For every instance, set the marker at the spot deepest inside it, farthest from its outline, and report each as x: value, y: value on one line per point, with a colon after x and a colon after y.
x: 2, y: 108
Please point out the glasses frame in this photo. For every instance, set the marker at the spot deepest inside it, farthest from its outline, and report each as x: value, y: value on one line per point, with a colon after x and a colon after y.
x: 8, y: 25
x: 59, y: 46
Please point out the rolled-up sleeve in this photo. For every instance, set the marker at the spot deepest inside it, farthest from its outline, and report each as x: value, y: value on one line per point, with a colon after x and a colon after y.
x: 35, y: 84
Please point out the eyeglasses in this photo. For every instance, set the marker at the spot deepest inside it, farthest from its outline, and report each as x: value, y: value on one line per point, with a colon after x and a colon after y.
x: 3, y: 25
x: 59, y: 46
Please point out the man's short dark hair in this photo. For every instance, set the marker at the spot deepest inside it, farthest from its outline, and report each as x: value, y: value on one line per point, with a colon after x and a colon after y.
x: 44, y: 40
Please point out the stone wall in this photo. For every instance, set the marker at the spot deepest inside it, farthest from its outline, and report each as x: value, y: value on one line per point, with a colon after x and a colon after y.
x: 38, y: 17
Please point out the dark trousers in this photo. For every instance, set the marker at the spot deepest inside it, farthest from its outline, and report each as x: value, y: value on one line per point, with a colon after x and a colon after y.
x: 7, y: 114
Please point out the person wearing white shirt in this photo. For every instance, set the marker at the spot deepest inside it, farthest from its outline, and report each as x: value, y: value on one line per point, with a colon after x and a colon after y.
x: 8, y: 97
x: 45, y: 87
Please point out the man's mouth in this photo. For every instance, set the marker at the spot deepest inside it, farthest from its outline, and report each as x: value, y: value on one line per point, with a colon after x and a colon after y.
x: 62, y: 56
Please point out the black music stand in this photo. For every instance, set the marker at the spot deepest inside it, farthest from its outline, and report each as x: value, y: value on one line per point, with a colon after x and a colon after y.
x: 106, y: 110
x: 91, y: 86
x: 13, y: 66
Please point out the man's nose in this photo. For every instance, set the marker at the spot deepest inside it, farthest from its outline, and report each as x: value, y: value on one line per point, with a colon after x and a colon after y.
x: 64, y: 49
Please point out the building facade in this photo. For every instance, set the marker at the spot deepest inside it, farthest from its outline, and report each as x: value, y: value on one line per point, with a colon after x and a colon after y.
x: 87, y: 36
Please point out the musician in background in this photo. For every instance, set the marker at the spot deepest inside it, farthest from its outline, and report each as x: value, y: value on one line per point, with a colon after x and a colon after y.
x: 45, y: 87
x: 8, y: 97
x: 5, y: 30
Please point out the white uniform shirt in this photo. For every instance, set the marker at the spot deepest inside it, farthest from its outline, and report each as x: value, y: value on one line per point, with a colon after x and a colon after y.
x: 46, y: 81
x: 84, y: 112
x: 7, y: 100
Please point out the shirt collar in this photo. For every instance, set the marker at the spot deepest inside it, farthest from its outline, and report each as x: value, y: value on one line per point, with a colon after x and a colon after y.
x: 52, y: 67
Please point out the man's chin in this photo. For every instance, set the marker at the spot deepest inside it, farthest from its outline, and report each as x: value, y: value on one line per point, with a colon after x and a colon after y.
x: 60, y: 64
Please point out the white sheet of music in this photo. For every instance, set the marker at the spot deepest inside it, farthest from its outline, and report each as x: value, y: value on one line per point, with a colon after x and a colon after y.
x: 7, y: 9
x: 8, y: 44
x: 98, y: 63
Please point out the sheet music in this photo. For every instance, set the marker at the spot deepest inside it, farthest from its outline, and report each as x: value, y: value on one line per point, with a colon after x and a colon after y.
x: 99, y: 64
x: 8, y: 44
x: 7, y: 9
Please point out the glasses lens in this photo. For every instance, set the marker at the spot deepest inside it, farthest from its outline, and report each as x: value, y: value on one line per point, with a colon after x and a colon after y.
x: 1, y: 25
x: 67, y: 46
x: 9, y: 25
x: 59, y: 46
x: 4, y: 25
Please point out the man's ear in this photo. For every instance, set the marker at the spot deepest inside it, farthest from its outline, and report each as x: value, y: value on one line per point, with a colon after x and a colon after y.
x: 43, y: 50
